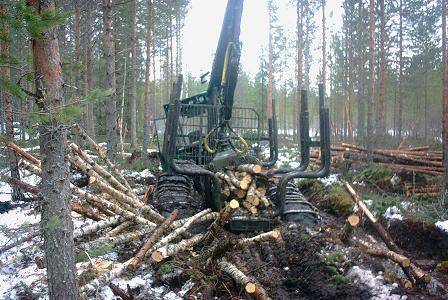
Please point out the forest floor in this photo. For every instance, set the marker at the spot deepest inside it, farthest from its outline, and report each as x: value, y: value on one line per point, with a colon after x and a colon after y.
x: 304, y: 264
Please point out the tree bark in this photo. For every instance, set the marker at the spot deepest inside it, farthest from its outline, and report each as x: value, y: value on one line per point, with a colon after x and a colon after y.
x: 270, y: 65
x: 56, y: 222
x: 382, y: 94
x: 147, y: 102
x: 361, y: 74
x: 371, y: 78
x: 90, y: 128
x: 6, y: 97
x: 445, y: 98
x: 133, y: 75
x: 400, y: 75
x: 324, y: 50
x: 111, y: 81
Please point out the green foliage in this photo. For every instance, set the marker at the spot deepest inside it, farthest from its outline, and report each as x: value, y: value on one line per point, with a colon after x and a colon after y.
x: 334, y: 257
x: 34, y: 22
x: 99, y: 250
x: 304, y: 237
x: 380, y: 203
x: 374, y: 174
x: 13, y: 88
x: 166, y: 268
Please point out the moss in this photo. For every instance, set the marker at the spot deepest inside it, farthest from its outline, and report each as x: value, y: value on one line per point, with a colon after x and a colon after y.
x: 165, y: 268
x: 443, y: 267
x: 95, y: 252
x: 381, y: 203
x: 310, y: 186
x: 338, y: 201
x: 331, y: 270
x: 304, y: 237
x: 340, y: 279
x: 334, y: 257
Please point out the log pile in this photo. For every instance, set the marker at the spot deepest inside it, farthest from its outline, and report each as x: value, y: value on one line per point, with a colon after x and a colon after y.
x: 419, y: 160
x: 120, y: 217
x: 246, y: 184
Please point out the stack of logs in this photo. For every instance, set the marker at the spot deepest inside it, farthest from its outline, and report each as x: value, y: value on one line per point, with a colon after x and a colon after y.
x: 419, y: 160
x: 247, y: 184
x: 119, y: 216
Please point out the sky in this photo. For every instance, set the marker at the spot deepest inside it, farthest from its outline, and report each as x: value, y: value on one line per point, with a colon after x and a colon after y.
x: 203, y: 25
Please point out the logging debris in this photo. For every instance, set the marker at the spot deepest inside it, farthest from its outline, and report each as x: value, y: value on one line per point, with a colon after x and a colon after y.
x: 287, y: 262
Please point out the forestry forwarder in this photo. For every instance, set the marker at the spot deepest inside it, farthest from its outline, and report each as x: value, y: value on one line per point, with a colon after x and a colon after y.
x: 205, y: 133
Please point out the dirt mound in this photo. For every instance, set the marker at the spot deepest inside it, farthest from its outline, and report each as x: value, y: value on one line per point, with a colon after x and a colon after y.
x: 418, y: 237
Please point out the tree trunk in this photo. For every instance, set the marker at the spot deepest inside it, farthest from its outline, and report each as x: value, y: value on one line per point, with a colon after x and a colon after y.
x: 90, y: 128
x: 361, y: 74
x: 133, y: 75
x: 299, y: 42
x: 111, y: 82
x: 445, y: 97
x: 56, y: 222
x: 382, y: 105
x: 324, y: 53
x: 270, y: 68
x: 7, y: 104
x: 400, y: 76
x: 147, y: 102
x: 371, y: 77
x: 77, y: 32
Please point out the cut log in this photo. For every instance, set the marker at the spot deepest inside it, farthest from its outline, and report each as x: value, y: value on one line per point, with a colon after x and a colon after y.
x: 179, y: 231
x: 351, y: 223
x: 224, y: 216
x: 95, y: 227
x: 250, y: 207
x: 250, y: 168
x: 402, y: 260
x: 250, y: 196
x: 172, y: 249
x: 102, y: 155
x: 238, y: 184
x: 208, y: 217
x: 239, y: 277
x: 119, y: 292
x: 413, y: 272
x: 264, y: 201
x: 110, y: 206
x: 117, y: 230
x: 116, y: 240
x: 100, y: 170
x: 84, y: 211
x: 263, y: 237
x: 96, y: 283
x: 25, y: 155
x: 152, y: 240
x: 145, y: 209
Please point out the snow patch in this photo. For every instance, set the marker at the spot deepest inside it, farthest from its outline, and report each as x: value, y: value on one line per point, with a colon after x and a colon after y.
x: 393, y: 212
x: 442, y: 225
x: 330, y: 180
x: 378, y: 288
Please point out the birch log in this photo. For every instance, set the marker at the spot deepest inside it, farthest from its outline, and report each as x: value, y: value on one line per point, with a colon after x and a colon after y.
x: 172, y: 249
x: 102, y: 155
x: 152, y: 240
x: 95, y: 227
x: 239, y: 277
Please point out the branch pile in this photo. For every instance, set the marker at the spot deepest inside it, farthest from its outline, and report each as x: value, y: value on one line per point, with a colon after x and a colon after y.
x: 120, y: 217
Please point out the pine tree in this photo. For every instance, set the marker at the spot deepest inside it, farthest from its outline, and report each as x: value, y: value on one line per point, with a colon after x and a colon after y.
x: 110, y: 81
x: 371, y: 78
x: 6, y: 97
x: 56, y: 222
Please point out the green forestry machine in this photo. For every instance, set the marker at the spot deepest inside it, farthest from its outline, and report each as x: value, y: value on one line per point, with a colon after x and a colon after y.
x: 206, y: 133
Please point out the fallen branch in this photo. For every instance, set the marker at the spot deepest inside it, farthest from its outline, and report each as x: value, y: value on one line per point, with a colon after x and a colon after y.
x: 172, y: 249
x: 152, y: 240
x: 239, y: 277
